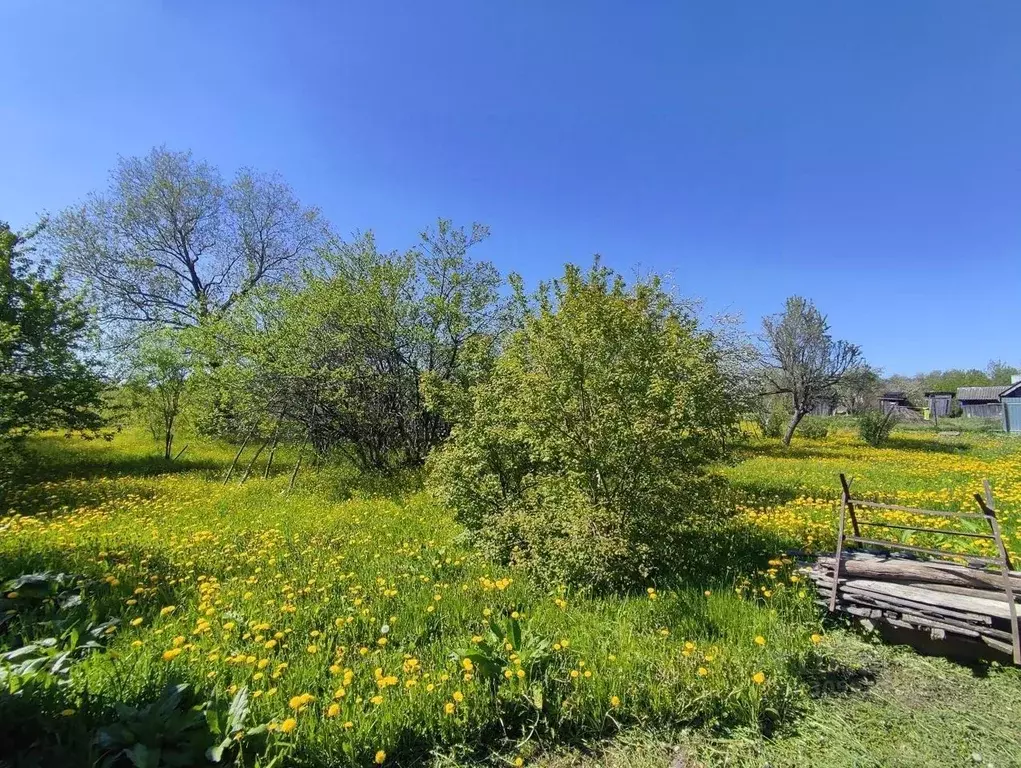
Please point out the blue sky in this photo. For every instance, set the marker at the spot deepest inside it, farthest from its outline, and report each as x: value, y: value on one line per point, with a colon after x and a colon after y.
x: 864, y: 154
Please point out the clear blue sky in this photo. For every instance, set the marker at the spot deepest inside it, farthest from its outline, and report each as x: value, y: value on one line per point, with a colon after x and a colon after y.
x: 864, y: 154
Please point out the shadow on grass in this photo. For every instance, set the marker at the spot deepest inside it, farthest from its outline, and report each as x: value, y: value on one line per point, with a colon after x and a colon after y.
x: 52, y: 466
x: 720, y: 553
x: 40, y: 724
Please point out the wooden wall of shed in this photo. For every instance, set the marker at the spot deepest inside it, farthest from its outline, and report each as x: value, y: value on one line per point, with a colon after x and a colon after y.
x: 939, y: 406
x: 982, y: 410
x: 1012, y: 415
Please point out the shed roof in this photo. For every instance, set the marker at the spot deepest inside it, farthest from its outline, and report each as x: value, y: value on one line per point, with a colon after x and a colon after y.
x: 980, y: 393
x: 893, y: 396
x: 1014, y: 390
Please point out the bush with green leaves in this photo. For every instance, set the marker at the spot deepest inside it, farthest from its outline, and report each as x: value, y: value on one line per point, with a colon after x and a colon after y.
x: 585, y: 449
x: 874, y: 427
x: 813, y: 428
x: 771, y: 416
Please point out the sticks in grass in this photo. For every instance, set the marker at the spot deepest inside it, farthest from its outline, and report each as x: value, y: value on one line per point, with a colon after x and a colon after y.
x: 236, y: 457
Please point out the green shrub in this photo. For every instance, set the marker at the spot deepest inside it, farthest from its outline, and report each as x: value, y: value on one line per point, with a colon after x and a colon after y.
x: 813, y: 428
x: 772, y: 416
x: 875, y: 426
x: 588, y: 444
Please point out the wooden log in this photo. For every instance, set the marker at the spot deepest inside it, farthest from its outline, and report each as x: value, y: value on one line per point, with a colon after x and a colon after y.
x: 916, y: 621
x: 981, y: 606
x: 985, y: 594
x: 251, y: 463
x: 892, y: 603
x: 236, y: 457
x: 1006, y: 648
x: 903, y: 569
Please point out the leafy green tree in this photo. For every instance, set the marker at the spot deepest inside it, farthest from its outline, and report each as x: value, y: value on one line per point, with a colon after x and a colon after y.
x: 47, y: 379
x: 858, y: 389
x: 587, y: 444
x: 367, y: 354
x: 171, y: 244
x: 802, y: 360
x: 158, y: 384
x: 1000, y: 372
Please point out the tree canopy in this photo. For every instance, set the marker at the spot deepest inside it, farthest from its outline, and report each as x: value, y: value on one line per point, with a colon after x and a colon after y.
x: 802, y: 360
x: 586, y: 445
x: 47, y: 379
x: 169, y: 243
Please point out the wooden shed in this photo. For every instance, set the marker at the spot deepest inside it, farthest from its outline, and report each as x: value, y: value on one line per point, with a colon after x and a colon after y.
x: 981, y: 402
x: 1010, y: 401
x: 825, y: 406
x: 939, y: 403
x: 898, y: 402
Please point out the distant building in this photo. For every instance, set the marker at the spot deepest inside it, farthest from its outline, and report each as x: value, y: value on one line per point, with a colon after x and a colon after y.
x: 890, y: 400
x: 981, y: 402
x: 898, y: 402
x: 1010, y: 399
x: 939, y: 403
x: 825, y: 406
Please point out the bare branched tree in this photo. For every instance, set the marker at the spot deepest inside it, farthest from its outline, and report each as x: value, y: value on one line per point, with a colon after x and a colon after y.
x: 801, y: 358
x: 170, y: 244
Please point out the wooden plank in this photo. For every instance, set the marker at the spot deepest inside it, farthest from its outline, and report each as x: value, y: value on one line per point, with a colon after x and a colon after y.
x: 845, y: 486
x: 910, y: 606
x: 914, y: 510
x: 988, y: 507
x: 900, y: 569
x: 1002, y: 647
x: 853, y: 593
x: 925, y: 530
x: 921, y: 550
x: 974, y: 605
x: 889, y: 566
x: 840, y: 546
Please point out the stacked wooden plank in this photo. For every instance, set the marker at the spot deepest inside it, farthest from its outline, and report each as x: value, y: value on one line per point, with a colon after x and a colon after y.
x: 945, y: 600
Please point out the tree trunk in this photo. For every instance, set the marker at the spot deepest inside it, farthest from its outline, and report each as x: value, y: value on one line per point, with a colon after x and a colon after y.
x: 167, y: 445
x: 795, y: 420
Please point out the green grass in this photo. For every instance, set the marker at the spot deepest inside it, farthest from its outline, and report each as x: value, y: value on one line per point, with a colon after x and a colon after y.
x: 316, y: 579
x: 886, y: 708
x: 370, y: 601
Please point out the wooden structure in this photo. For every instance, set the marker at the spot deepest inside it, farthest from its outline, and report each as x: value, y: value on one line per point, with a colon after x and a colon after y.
x: 981, y: 402
x: 1010, y: 401
x: 939, y: 403
x: 898, y: 402
x: 825, y: 406
x: 943, y: 598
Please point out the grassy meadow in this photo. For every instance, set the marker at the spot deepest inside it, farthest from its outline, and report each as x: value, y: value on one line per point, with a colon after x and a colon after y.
x: 357, y: 623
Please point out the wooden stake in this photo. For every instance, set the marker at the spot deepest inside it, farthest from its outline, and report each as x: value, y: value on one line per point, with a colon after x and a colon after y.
x: 236, y: 457
x: 251, y: 463
x: 989, y: 509
x: 840, y: 544
x: 846, y: 485
x: 272, y: 453
x: 181, y: 451
x: 297, y: 464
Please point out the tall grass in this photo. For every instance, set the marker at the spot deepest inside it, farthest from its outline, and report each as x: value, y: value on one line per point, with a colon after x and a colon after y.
x: 352, y: 610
